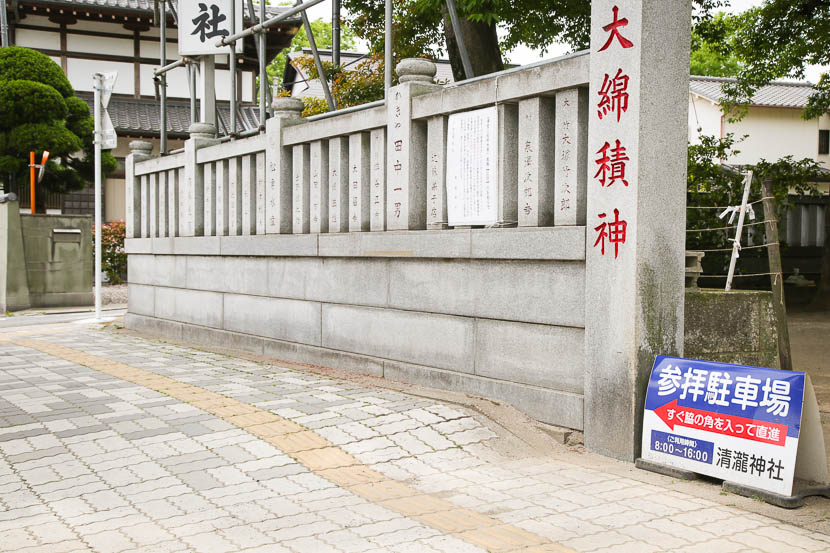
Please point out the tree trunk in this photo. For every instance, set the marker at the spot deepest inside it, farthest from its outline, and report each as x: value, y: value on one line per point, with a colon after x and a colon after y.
x: 821, y: 302
x: 482, y: 46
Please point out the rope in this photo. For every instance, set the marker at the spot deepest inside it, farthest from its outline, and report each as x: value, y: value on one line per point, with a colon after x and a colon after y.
x: 728, y: 228
x: 742, y: 248
x: 742, y: 275
x: 725, y: 206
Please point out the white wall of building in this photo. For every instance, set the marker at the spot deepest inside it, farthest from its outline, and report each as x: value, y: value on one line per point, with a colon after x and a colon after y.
x: 773, y: 134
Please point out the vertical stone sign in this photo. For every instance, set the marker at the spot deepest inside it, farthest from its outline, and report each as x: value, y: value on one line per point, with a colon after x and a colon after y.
x: 210, y: 198
x: 339, y: 184
x: 222, y: 206
x: 162, y: 201
x: 248, y: 195
x: 636, y: 170
x: 437, y: 173
x: 279, y: 190
x: 319, y: 198
x: 260, y: 193
x: 173, y: 202
x: 359, y: 182
x: 571, y: 160
x: 234, y: 196
x: 536, y: 162
x: 301, y: 176
x: 377, y: 175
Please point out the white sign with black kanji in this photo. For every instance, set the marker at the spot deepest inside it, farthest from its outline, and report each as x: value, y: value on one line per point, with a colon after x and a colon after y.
x: 203, y: 24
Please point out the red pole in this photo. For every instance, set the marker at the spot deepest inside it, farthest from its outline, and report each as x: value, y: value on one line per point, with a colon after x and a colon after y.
x: 32, y: 180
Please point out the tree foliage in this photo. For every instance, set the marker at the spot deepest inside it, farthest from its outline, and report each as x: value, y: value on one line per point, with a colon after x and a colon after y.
x: 713, y: 186
x: 713, y: 59
x: 775, y: 40
x: 38, y: 111
x: 322, y: 37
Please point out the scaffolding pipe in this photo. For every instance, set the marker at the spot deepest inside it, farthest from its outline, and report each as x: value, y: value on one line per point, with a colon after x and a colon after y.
x: 267, y: 24
x: 389, y: 41
x: 259, y: 50
x: 4, y: 24
x: 171, y: 66
x: 263, y: 77
x: 191, y: 80
x: 321, y: 72
x: 335, y: 32
x: 459, y: 39
x: 163, y: 60
x: 232, y: 63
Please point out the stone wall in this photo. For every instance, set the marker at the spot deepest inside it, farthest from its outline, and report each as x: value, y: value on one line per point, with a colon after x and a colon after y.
x: 738, y: 326
x: 14, y: 290
x: 59, y: 265
x: 466, y: 310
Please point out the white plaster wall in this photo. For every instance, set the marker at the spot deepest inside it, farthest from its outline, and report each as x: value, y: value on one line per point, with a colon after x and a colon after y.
x: 100, y: 45
x: 80, y: 73
x: 46, y: 40
x: 773, y: 134
x: 703, y: 115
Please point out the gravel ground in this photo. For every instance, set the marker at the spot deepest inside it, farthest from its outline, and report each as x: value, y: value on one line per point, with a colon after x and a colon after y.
x: 115, y: 294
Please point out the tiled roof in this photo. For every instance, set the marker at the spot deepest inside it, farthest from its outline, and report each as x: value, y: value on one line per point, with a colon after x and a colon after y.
x: 142, y: 5
x: 777, y: 93
x: 133, y: 116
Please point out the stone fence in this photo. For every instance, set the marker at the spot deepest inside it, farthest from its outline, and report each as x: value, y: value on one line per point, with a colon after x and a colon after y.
x: 327, y: 240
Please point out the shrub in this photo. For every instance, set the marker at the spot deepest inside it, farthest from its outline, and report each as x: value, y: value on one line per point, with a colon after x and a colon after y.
x: 29, y: 102
x: 29, y: 65
x: 113, y: 256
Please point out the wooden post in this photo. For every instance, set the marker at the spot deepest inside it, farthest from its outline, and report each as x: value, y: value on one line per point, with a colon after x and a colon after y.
x: 776, y: 276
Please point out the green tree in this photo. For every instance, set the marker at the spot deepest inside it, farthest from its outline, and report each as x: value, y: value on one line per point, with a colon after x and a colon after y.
x: 777, y: 39
x: 715, y: 59
x: 711, y: 185
x: 39, y: 111
x: 422, y: 27
x: 322, y: 36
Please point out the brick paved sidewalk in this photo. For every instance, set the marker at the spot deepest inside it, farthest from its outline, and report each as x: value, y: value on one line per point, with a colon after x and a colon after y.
x: 112, y: 442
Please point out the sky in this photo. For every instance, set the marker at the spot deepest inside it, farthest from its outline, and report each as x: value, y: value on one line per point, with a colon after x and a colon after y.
x: 523, y: 55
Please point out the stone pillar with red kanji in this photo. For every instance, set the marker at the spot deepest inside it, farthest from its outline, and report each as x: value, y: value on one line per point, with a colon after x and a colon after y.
x: 637, y: 141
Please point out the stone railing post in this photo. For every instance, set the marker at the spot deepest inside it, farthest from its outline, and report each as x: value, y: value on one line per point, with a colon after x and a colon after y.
x: 406, y: 147
x: 636, y: 199
x: 139, y: 151
x: 192, y: 195
x: 279, y: 187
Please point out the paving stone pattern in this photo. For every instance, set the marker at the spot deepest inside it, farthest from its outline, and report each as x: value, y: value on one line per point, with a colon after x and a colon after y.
x: 187, y: 450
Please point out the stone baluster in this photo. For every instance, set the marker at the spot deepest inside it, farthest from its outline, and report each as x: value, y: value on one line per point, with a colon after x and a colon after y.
x: 279, y: 188
x: 139, y: 151
x: 192, y: 194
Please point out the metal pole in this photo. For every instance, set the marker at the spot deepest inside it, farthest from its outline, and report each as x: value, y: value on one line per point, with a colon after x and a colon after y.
x: 318, y: 63
x: 459, y: 39
x: 335, y: 32
x: 259, y: 54
x: 736, y: 245
x: 163, y: 55
x: 250, y: 31
x: 4, y: 24
x: 232, y: 62
x: 98, y: 85
x: 388, y: 40
x: 191, y: 80
x: 263, y: 76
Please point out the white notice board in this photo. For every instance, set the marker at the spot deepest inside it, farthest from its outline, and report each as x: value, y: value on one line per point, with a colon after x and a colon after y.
x: 472, y: 167
x: 204, y: 23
